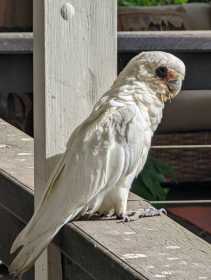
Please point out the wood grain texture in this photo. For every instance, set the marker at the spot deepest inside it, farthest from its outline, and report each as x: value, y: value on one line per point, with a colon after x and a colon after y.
x: 16, y: 43
x: 16, y: 152
x: 71, y: 271
x: 183, y: 41
x: 74, y: 63
x: 16, y: 197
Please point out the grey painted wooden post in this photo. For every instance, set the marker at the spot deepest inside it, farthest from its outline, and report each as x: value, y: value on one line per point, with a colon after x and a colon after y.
x: 74, y: 63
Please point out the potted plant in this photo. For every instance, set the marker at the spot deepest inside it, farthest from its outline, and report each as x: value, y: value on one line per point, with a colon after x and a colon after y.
x: 161, y: 15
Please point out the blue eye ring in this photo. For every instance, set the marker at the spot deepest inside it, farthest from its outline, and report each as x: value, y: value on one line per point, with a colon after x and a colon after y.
x: 161, y: 72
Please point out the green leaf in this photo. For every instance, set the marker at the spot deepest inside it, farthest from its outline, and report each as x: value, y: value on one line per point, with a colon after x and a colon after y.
x: 149, y: 183
x: 162, y: 167
x: 155, y: 2
x: 142, y: 191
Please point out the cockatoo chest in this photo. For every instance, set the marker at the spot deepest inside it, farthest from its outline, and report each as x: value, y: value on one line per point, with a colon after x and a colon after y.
x: 139, y: 136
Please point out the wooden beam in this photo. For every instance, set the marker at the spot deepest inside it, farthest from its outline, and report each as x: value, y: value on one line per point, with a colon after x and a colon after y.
x: 74, y: 63
x: 16, y: 43
x: 178, y: 41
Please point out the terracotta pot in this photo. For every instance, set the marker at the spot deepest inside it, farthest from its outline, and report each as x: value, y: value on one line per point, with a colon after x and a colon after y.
x: 194, y: 16
x: 15, y: 14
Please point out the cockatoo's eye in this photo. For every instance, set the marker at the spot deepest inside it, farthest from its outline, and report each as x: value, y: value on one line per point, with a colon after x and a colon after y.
x: 161, y: 72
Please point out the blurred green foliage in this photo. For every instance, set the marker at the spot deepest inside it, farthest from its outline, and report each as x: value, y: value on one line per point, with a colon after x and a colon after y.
x: 149, y: 183
x: 156, y: 2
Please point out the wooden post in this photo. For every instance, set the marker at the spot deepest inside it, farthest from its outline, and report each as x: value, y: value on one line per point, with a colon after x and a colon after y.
x: 75, y: 59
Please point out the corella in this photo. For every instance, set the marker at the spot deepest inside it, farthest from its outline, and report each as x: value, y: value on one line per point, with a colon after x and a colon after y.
x: 104, y: 154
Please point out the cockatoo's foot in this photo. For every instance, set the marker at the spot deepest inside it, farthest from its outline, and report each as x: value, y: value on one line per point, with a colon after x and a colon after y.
x: 151, y: 212
x: 141, y: 213
x: 123, y: 218
x: 129, y: 217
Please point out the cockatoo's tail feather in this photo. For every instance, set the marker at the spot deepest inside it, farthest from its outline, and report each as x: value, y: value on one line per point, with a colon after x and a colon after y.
x: 104, y: 154
x: 21, y: 238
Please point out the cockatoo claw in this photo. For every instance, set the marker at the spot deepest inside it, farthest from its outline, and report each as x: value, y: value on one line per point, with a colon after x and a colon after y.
x: 124, y: 218
x: 151, y: 212
x: 141, y: 213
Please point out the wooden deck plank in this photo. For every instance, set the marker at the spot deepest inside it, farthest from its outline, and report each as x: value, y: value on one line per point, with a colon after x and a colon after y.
x: 16, y: 152
x: 150, y: 248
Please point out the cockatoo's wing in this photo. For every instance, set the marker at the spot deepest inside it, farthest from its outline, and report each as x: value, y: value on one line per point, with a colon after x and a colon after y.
x: 94, y: 161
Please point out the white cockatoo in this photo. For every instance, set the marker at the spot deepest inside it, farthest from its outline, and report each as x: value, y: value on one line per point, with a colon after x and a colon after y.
x: 104, y: 154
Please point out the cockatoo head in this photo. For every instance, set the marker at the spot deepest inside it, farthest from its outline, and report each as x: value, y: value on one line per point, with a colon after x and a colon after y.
x: 162, y: 73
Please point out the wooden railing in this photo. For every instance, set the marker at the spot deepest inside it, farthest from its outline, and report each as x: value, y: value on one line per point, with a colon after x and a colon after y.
x: 149, y: 248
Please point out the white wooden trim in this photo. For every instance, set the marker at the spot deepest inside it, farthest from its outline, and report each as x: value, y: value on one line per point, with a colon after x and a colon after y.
x: 181, y: 147
x: 75, y: 58
x: 182, y: 202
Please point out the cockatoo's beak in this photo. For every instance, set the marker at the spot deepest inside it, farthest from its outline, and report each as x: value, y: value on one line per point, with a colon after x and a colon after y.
x: 174, y: 84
